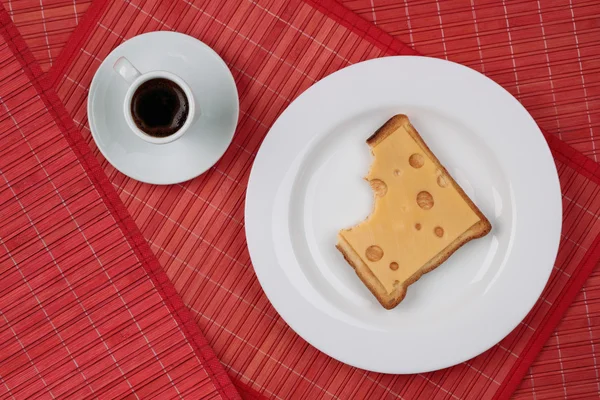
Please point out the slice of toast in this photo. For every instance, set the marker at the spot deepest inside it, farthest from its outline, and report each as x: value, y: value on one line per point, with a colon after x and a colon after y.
x: 421, y: 215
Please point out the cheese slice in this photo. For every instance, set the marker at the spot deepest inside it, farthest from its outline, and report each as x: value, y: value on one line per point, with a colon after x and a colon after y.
x: 420, y: 212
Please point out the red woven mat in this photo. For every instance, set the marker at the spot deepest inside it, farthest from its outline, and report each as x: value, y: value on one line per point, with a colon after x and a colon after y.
x: 46, y: 24
x: 276, y: 50
x: 85, y: 309
x: 546, y: 53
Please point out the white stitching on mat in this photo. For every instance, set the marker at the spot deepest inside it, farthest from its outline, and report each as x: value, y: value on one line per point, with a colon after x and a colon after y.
x: 21, y: 343
x: 568, y: 239
x: 585, y: 96
x: 587, y: 210
x: 439, y: 12
x: 508, y: 351
x: 532, y: 383
x: 387, y: 389
x: 408, y: 24
x: 75, y: 12
x: 84, y: 51
x: 77, y: 83
x: 439, y: 387
x: 512, y: 51
x: 562, y: 369
x: 373, y: 12
x: 477, y: 36
x: 549, y: 70
x: 482, y: 373
x: 587, y: 312
x: 526, y: 325
x: 45, y: 30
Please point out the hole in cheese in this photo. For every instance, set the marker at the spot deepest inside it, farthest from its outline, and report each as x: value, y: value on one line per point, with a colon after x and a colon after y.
x: 439, y: 231
x: 374, y: 253
x: 394, y: 266
x: 379, y: 187
x: 416, y: 160
x: 425, y: 200
x: 418, y: 226
x: 442, y: 181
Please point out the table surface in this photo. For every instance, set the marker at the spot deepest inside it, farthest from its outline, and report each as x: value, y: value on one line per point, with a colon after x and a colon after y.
x: 545, y: 53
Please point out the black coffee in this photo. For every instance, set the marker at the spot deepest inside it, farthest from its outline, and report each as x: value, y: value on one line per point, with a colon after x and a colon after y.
x: 159, y: 107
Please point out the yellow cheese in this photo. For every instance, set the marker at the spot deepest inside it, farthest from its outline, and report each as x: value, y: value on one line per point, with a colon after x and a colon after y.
x: 417, y: 213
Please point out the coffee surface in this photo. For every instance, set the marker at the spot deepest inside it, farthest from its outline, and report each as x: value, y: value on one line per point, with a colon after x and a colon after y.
x: 159, y: 107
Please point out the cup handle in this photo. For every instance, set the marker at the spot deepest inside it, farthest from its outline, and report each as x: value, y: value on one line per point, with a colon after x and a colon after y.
x: 126, y: 69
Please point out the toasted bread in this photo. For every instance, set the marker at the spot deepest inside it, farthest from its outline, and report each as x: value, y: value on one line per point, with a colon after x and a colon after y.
x: 420, y: 218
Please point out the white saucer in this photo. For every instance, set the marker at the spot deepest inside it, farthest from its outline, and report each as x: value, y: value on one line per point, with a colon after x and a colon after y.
x: 307, y: 183
x: 216, y: 97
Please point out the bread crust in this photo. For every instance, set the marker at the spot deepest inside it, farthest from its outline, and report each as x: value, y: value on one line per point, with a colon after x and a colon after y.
x: 477, y: 230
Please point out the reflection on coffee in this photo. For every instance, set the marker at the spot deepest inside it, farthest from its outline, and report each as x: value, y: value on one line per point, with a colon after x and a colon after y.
x: 159, y: 107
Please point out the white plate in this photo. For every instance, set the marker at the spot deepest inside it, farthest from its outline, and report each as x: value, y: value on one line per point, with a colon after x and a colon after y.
x: 216, y: 98
x: 306, y: 184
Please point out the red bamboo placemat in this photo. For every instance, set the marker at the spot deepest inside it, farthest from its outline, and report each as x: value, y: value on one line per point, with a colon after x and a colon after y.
x: 533, y: 53
x: 275, y: 51
x: 546, y: 53
x: 31, y: 21
x: 85, y: 309
x: 546, y: 79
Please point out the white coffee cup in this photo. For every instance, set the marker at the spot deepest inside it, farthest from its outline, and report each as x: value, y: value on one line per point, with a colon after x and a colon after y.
x: 135, y: 78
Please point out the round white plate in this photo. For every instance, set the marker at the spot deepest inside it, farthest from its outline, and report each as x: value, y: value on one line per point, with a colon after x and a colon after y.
x: 216, y: 101
x: 307, y: 183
